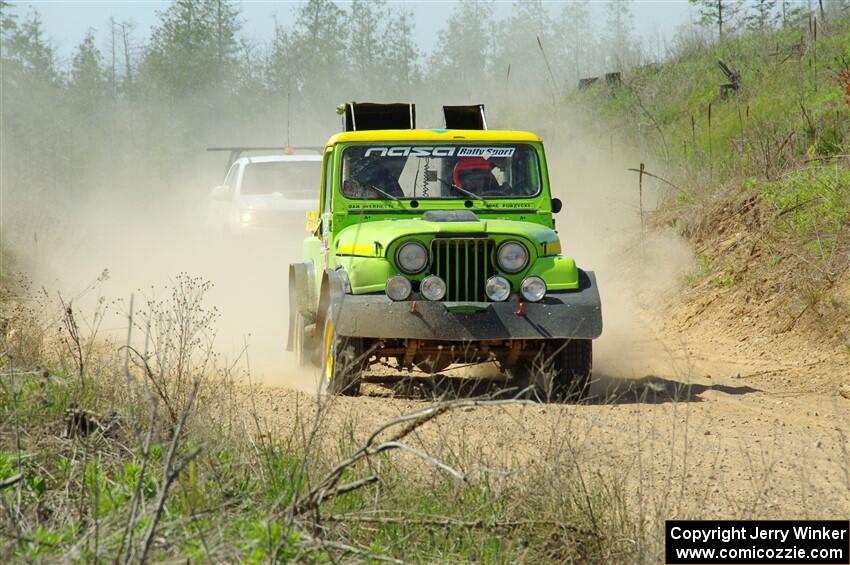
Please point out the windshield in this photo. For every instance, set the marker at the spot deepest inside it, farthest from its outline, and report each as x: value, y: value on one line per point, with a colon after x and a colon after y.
x: 448, y: 170
x: 295, y: 180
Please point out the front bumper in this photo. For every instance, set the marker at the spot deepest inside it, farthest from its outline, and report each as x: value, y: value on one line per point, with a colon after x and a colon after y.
x: 560, y: 315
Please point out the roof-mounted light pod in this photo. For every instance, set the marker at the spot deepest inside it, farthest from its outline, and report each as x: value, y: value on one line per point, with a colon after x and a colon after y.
x: 360, y: 116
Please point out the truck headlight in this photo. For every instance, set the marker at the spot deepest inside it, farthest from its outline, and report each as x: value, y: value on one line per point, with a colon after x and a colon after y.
x: 512, y: 256
x: 398, y: 288
x: 246, y: 217
x: 533, y: 289
x: 433, y: 287
x: 498, y: 288
x: 412, y: 257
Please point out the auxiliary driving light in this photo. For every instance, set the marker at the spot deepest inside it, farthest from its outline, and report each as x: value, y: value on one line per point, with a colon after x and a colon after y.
x: 533, y: 289
x: 498, y: 289
x: 412, y: 257
x: 512, y: 257
x: 433, y: 287
x: 398, y: 288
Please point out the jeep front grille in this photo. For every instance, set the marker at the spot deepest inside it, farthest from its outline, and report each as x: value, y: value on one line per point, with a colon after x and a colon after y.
x: 465, y: 265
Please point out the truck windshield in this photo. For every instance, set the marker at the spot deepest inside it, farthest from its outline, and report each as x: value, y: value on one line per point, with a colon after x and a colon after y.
x: 295, y: 180
x: 447, y: 170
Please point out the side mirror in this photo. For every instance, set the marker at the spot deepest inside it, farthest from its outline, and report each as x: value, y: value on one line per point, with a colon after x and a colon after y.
x: 221, y: 192
x: 557, y: 205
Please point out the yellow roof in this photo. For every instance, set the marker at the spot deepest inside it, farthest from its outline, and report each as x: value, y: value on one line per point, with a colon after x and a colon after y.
x: 438, y: 135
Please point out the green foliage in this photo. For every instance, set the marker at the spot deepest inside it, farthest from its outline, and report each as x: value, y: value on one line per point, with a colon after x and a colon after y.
x: 702, y: 269
x: 790, y: 106
x: 620, y: 33
x: 465, y: 42
x: 310, y: 58
x: 719, y: 13
x: 813, y: 202
x: 724, y: 280
x: 283, y: 479
x: 193, y: 48
x: 575, y: 22
x: 88, y: 85
x: 762, y: 15
x: 26, y: 49
x: 7, y: 465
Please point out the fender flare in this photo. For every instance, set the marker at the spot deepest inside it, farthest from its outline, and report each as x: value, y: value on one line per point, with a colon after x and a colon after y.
x: 301, y: 279
x: 301, y: 296
x: 335, y: 286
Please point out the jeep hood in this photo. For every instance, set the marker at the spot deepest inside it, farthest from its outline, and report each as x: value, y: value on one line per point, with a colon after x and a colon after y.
x: 372, y: 239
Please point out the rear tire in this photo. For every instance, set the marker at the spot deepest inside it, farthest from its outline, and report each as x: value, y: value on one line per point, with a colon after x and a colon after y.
x: 343, y: 362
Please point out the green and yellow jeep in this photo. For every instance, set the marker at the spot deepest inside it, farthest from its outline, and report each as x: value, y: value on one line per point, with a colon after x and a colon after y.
x: 436, y: 247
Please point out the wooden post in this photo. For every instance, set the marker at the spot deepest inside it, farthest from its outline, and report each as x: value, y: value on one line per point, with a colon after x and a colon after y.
x: 710, y: 160
x: 129, y: 336
x: 640, y: 199
x: 693, y: 132
x: 815, y: 53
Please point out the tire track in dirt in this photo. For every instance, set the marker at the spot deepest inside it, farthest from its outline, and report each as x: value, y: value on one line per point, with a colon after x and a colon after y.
x: 696, y: 437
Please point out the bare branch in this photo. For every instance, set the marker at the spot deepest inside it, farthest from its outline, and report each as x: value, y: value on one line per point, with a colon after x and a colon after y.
x: 11, y: 481
x: 171, y: 472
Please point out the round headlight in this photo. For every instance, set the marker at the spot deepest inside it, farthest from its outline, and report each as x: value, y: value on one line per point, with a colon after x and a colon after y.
x: 533, y: 289
x: 512, y: 257
x: 498, y: 289
x: 398, y: 288
x: 433, y: 287
x: 246, y: 217
x: 412, y: 257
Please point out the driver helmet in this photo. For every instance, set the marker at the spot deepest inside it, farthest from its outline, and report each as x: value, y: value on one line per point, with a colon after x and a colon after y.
x: 473, y: 174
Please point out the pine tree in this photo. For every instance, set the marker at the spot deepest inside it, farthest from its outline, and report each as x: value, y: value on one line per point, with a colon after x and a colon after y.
x: 620, y: 24
x: 577, y: 38
x: 791, y: 12
x: 462, y: 61
x: 88, y: 85
x: 720, y: 13
x: 193, y: 48
x: 8, y: 23
x: 762, y: 15
x: 28, y: 49
x: 366, y: 45
x: 307, y: 63
x: 400, y: 58
x: 526, y: 42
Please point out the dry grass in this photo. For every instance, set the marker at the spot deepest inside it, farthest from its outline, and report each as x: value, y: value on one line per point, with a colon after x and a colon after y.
x: 148, y: 450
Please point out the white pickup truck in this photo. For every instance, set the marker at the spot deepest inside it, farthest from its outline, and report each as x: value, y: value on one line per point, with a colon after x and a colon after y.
x: 265, y: 193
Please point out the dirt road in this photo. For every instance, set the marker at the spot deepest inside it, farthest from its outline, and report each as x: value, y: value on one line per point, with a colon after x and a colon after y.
x: 692, y: 429
x: 702, y: 419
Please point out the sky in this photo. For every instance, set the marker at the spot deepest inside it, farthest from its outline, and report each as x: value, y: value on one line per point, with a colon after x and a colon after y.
x: 66, y: 21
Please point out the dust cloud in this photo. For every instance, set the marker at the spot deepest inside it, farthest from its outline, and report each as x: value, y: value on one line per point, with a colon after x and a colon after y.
x: 145, y: 240
x: 637, y: 264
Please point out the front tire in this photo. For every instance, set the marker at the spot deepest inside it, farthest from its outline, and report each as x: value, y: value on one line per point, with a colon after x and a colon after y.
x: 343, y: 362
x: 575, y: 365
x: 561, y: 377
